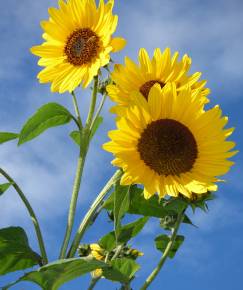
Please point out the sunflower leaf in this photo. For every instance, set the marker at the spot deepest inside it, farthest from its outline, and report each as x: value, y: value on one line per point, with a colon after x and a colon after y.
x: 123, y: 270
x: 49, y: 115
x: 6, y: 136
x: 121, y: 205
x: 15, y: 252
x: 162, y: 241
x: 4, y: 187
x: 128, y: 231
x: 139, y: 205
x: 53, y: 275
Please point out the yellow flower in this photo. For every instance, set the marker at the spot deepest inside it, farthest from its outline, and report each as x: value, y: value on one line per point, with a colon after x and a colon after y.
x: 170, y: 144
x: 98, y: 253
x: 161, y: 69
x: 77, y: 43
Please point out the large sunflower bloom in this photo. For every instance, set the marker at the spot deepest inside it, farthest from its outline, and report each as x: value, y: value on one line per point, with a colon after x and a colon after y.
x: 170, y: 144
x: 161, y: 69
x: 77, y: 43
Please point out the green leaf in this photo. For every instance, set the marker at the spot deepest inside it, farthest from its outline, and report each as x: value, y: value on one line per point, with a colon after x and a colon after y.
x: 128, y: 231
x: 53, y: 275
x: 139, y: 205
x: 75, y: 135
x: 4, y: 187
x: 98, y: 121
x: 121, y: 205
x: 49, y: 115
x: 15, y: 252
x: 6, y: 136
x: 162, y: 241
x: 123, y: 270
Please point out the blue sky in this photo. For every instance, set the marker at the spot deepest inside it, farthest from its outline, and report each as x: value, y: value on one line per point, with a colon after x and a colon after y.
x: 211, y: 33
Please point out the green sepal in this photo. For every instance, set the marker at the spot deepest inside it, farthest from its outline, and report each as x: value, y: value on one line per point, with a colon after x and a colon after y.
x: 128, y: 231
x: 4, y: 187
x: 162, y: 241
x: 47, y: 116
x: 15, y: 252
x: 7, y: 136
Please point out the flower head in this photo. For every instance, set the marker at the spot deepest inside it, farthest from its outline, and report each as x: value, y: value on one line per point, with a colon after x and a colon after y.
x: 161, y: 69
x: 78, y: 41
x: 170, y: 144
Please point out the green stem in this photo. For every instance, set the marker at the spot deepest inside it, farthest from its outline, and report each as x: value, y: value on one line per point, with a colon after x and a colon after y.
x: 76, y: 108
x: 84, y: 146
x: 32, y: 215
x: 89, y: 215
x: 93, y: 103
x: 93, y: 283
x: 98, y: 110
x: 164, y: 257
x: 73, y: 203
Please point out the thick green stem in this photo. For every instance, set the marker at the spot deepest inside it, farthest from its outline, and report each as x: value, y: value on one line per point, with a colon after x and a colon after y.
x: 73, y: 203
x: 84, y: 146
x: 90, y: 214
x: 164, y: 257
x: 32, y: 215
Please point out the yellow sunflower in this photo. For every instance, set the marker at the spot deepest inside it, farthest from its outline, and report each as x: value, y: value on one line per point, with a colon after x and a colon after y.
x: 170, y: 144
x: 161, y: 69
x: 98, y: 253
x: 77, y: 43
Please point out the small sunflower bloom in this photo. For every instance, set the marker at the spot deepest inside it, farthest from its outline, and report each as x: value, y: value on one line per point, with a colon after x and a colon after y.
x: 98, y: 253
x: 170, y: 144
x: 78, y: 42
x: 161, y: 69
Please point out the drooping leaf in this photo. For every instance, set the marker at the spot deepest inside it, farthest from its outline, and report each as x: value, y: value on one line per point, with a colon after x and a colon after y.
x: 4, y: 187
x: 49, y: 115
x: 15, y: 252
x: 127, y: 232
x: 121, y: 205
x: 97, y: 123
x: 6, y: 136
x: 123, y: 270
x: 53, y: 275
x: 162, y: 241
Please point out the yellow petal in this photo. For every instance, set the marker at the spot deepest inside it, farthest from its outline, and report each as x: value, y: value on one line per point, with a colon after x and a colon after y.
x: 118, y: 43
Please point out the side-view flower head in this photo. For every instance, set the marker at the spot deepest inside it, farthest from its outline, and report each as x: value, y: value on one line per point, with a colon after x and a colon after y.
x: 170, y: 144
x: 161, y: 69
x: 78, y: 41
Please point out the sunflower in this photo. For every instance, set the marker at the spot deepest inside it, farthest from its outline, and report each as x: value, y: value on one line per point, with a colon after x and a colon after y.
x: 99, y: 254
x: 77, y: 43
x: 161, y: 69
x: 170, y: 144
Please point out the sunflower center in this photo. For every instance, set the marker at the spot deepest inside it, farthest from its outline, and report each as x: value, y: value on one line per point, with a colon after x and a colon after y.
x: 145, y: 88
x: 82, y: 46
x: 168, y: 147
